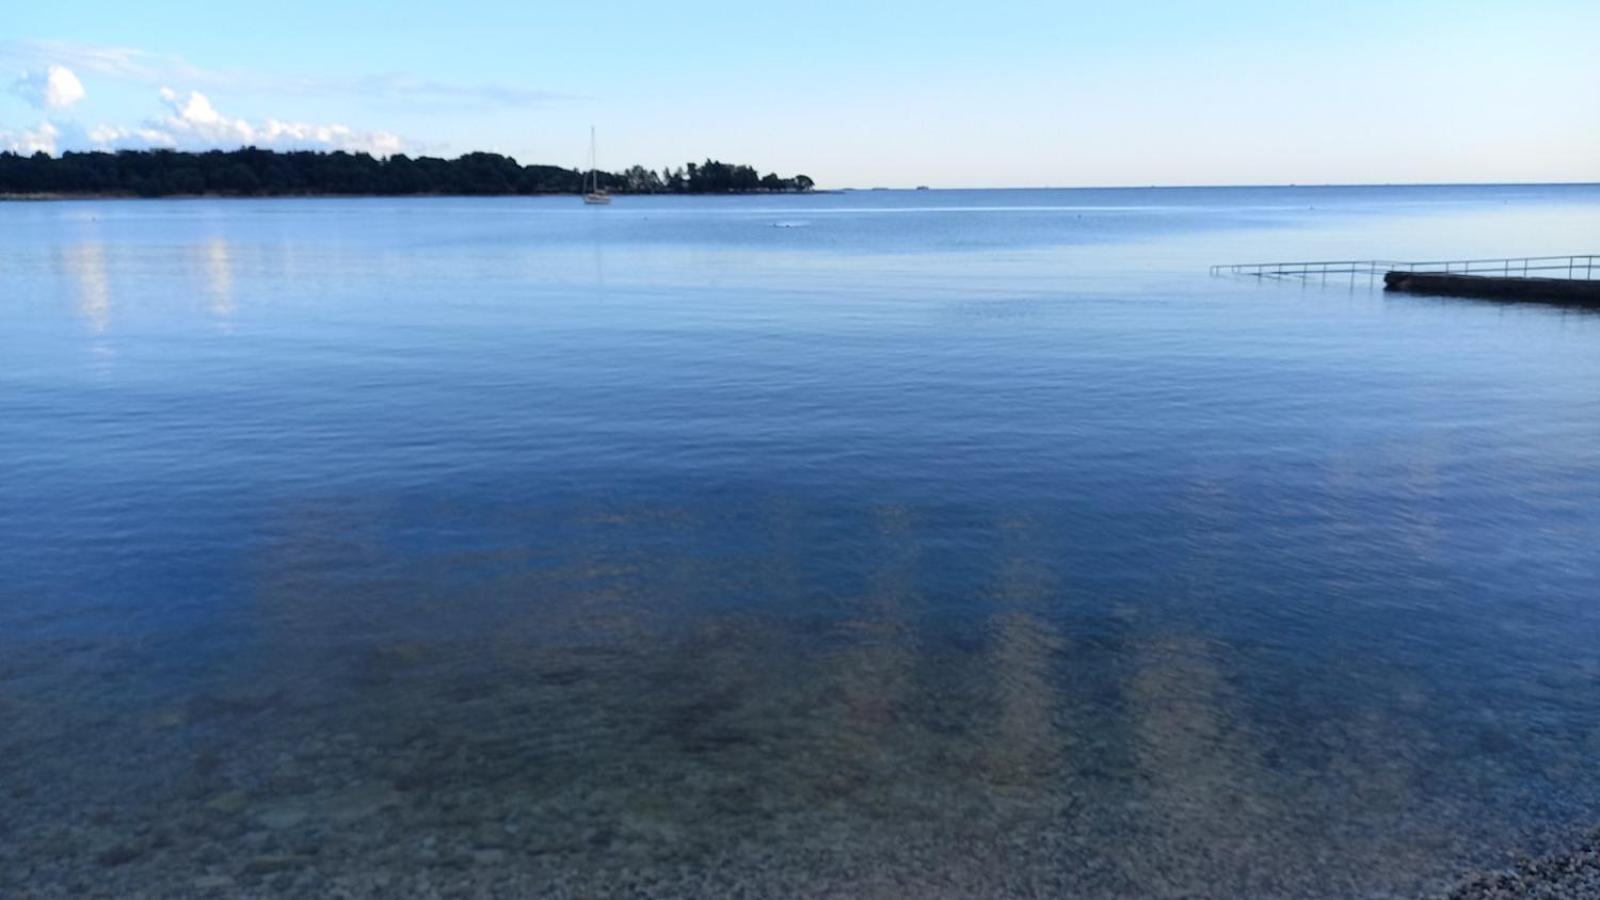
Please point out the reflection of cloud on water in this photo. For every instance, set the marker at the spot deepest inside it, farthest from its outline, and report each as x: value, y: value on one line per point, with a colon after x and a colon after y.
x: 1219, y: 789
x: 218, y: 265
x: 870, y: 676
x: 86, y: 265
x: 1025, y: 745
x: 1191, y: 761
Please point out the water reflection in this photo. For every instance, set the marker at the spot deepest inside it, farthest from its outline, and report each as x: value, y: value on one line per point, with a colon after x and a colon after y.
x: 218, y: 268
x: 85, y: 265
x: 872, y: 673
x: 1027, y: 741
x: 1193, y: 760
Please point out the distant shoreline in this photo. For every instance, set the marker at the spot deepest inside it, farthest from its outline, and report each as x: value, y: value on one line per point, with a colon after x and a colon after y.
x: 255, y: 172
x: 51, y: 197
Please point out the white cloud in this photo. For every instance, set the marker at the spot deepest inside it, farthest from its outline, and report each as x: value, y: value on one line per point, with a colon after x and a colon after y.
x: 52, y: 87
x: 113, y: 137
x: 335, y: 137
x: 41, y: 138
x: 188, y: 124
x: 193, y: 119
x: 192, y: 123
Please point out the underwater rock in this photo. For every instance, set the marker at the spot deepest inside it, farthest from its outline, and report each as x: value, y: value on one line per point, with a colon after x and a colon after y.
x: 359, y: 802
x: 283, y: 815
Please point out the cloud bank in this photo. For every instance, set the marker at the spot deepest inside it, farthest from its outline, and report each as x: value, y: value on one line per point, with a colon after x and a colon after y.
x: 190, y: 122
x: 41, y: 139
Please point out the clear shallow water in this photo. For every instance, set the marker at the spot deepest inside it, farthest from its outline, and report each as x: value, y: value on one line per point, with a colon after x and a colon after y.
x: 872, y: 544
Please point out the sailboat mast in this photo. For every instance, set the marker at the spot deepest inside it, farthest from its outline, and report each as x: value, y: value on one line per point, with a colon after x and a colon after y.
x: 591, y: 182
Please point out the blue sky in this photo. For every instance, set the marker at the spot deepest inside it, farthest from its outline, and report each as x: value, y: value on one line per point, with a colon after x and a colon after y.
x: 853, y: 94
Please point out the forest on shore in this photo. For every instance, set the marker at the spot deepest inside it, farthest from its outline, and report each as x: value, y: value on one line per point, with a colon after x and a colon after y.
x: 252, y: 172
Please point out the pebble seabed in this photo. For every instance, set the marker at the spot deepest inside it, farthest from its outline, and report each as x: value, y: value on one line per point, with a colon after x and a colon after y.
x: 553, y: 782
x: 722, y: 759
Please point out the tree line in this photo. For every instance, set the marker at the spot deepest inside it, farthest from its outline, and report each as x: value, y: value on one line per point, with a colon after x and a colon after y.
x: 253, y: 172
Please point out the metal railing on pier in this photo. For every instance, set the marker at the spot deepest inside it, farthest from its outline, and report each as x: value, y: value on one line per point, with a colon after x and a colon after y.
x: 1580, y: 268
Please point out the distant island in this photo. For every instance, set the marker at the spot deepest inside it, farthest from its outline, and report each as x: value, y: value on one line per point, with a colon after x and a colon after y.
x: 252, y: 172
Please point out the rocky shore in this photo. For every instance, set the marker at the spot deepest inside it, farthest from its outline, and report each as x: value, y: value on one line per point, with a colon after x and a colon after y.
x: 1559, y: 876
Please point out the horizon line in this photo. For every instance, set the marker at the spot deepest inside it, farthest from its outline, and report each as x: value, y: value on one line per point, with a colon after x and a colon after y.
x: 1166, y: 187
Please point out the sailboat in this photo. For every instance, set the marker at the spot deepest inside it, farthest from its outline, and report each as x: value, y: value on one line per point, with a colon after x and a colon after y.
x: 591, y: 185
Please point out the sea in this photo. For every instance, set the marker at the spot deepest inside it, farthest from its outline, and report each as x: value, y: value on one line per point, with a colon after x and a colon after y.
x: 913, y: 544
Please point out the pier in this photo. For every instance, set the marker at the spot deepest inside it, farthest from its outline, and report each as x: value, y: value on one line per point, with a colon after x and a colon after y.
x: 1545, y: 279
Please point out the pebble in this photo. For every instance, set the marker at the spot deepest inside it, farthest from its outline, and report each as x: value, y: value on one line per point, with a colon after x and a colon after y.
x: 1559, y: 876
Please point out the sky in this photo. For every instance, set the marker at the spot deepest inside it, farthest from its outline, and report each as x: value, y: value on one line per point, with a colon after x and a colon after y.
x: 854, y: 94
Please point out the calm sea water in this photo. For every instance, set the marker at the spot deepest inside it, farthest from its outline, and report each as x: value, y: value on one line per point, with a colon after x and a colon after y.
x: 869, y: 544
